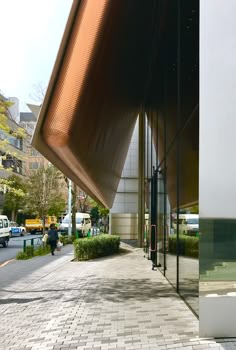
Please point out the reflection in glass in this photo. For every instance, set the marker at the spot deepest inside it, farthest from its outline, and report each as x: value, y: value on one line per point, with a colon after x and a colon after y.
x: 160, y: 220
x: 188, y: 218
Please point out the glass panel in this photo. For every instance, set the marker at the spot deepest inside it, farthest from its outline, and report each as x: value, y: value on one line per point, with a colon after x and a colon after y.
x: 153, y: 221
x: 171, y: 189
x: 146, y: 243
x: 160, y: 220
x: 188, y: 215
x: 218, y: 253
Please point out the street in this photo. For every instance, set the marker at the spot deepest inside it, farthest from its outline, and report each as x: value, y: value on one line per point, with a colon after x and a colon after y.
x: 15, y: 245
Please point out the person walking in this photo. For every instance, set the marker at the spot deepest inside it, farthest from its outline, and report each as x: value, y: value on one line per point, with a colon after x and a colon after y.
x: 45, y: 239
x: 52, y: 238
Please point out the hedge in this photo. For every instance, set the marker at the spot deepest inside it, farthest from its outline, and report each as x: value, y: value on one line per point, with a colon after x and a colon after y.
x: 95, y: 247
x: 188, y: 245
x: 30, y: 252
x: 65, y: 239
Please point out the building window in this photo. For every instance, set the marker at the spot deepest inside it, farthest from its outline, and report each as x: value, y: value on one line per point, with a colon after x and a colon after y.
x: 16, y: 142
x: 34, y: 153
x: 13, y: 163
x: 33, y: 165
x: 5, y: 223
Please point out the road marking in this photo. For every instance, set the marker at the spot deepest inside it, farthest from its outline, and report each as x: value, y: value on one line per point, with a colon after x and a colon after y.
x: 6, y: 262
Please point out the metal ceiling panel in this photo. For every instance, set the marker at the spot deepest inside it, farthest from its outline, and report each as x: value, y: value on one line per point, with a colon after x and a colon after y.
x: 95, y: 92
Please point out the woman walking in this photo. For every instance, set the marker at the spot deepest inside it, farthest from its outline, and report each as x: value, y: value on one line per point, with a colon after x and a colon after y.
x: 53, y: 238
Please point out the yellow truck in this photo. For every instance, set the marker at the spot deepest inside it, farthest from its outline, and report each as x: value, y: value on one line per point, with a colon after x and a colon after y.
x: 36, y: 225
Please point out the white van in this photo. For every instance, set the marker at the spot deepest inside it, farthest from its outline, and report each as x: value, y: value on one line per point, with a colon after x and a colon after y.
x: 4, y: 230
x: 188, y: 224
x: 83, y: 224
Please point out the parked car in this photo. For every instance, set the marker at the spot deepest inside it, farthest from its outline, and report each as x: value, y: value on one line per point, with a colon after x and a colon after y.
x: 4, y: 230
x: 16, y: 230
x: 188, y: 224
x: 83, y: 224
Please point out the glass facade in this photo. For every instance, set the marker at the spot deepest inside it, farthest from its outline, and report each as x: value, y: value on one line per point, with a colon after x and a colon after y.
x: 173, y: 110
x: 218, y: 250
x: 174, y: 238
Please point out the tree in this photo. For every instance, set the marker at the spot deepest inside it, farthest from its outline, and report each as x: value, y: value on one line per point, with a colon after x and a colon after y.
x: 38, y: 93
x: 43, y: 192
x: 100, y: 214
x: 94, y: 213
x: 84, y: 202
x: 78, y: 203
x: 74, y: 207
x: 9, y: 134
x: 103, y: 211
x: 6, y: 131
x: 58, y: 206
x: 15, y: 196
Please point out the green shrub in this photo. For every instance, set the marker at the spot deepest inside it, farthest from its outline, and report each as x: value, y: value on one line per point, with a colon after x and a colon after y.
x: 172, y: 244
x: 65, y: 239
x: 94, y: 247
x: 42, y: 250
x: 30, y: 252
x: 188, y: 245
x: 22, y: 256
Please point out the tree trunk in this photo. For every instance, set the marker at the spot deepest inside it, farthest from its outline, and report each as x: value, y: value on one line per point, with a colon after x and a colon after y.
x: 43, y: 221
x: 74, y: 209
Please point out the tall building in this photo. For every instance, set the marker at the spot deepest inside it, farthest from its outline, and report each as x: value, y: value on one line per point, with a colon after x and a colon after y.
x: 34, y: 159
x: 12, y: 149
x: 14, y: 110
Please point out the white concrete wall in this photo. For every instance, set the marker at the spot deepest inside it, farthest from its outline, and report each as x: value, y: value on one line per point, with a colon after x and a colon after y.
x: 123, y: 214
x: 217, y: 315
x: 217, y: 165
x: 126, y: 200
x: 125, y: 225
x: 150, y: 158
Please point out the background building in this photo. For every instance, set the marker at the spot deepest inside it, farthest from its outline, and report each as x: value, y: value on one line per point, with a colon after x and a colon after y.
x: 13, y: 148
x: 14, y: 110
x: 34, y: 159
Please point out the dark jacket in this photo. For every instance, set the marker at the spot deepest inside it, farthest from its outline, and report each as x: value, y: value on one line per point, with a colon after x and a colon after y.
x: 53, y: 235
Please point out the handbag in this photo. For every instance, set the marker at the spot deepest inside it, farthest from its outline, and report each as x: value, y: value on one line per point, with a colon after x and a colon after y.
x: 59, y: 246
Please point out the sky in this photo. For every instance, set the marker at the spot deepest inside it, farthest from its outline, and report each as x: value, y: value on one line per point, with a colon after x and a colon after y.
x: 31, y: 32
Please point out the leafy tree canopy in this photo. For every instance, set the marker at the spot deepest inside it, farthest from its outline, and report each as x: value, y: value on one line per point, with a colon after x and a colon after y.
x: 58, y: 206
x: 15, y: 196
x: 7, y: 150
x: 94, y: 213
x: 44, y: 194
x: 102, y: 211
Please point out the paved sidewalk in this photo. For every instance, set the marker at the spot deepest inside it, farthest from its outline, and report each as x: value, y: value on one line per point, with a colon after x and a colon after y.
x: 115, y: 302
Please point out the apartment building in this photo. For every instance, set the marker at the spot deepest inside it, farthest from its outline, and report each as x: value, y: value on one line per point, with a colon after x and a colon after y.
x: 34, y: 159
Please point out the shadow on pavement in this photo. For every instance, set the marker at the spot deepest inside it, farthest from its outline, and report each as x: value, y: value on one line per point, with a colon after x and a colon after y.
x: 115, y: 290
x: 18, y: 300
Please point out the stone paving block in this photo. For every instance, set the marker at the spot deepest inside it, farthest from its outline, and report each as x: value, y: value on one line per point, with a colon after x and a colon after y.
x: 109, y: 303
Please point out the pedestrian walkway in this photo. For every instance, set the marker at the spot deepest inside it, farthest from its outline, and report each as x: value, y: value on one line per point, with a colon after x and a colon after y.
x: 115, y: 303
